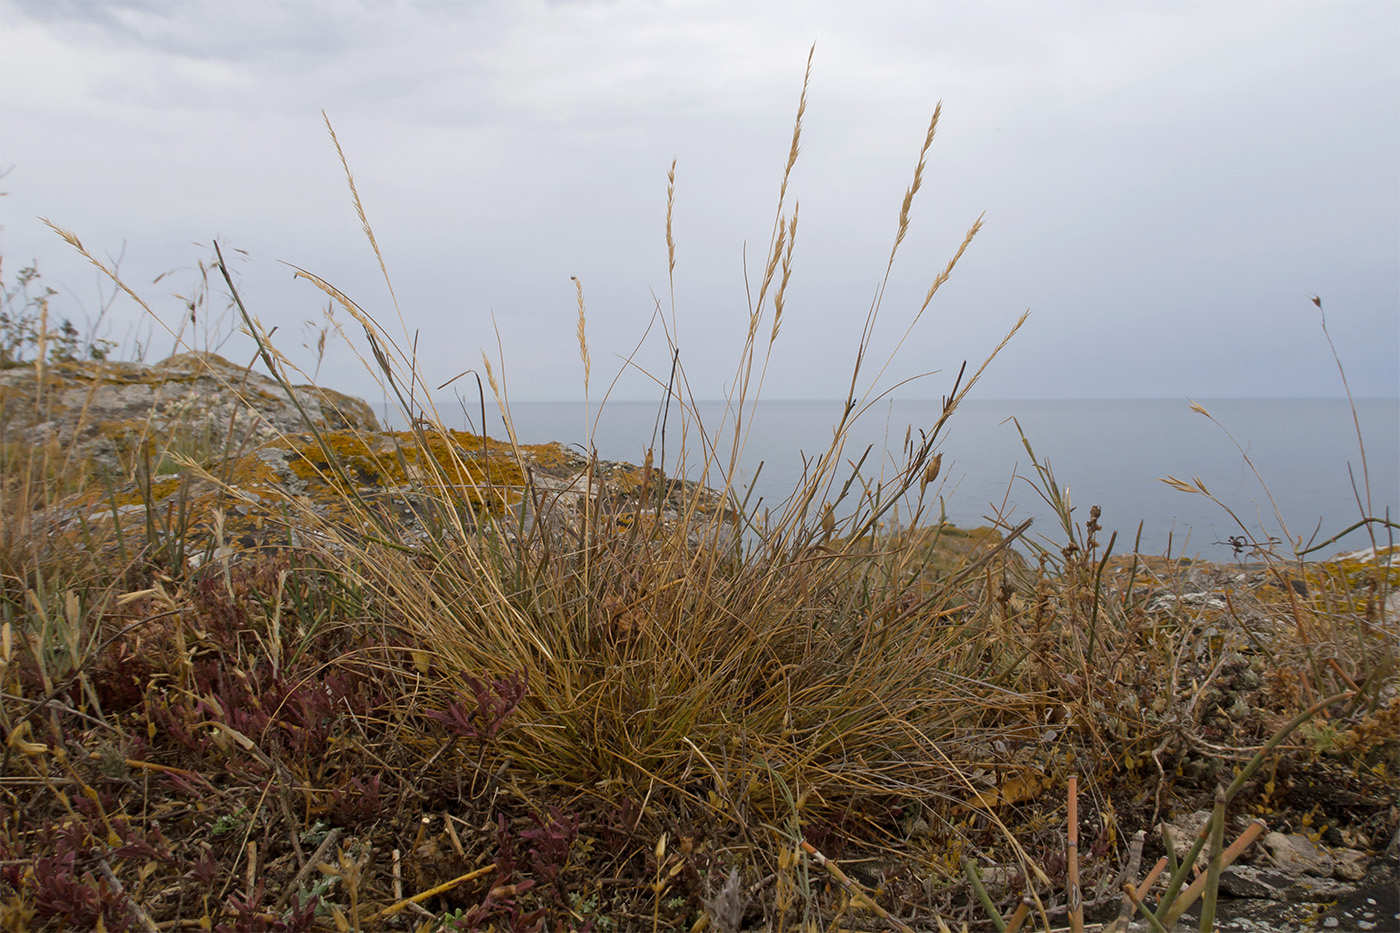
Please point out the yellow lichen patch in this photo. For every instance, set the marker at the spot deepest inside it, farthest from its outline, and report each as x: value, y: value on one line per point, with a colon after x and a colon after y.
x: 1358, y: 581
x: 549, y: 456
x: 460, y: 464
x: 625, y: 479
x: 161, y: 488
x: 479, y: 443
x: 252, y: 474
x: 350, y: 451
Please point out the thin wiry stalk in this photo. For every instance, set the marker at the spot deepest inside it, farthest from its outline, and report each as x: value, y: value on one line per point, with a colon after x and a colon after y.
x: 1351, y: 402
x: 364, y: 219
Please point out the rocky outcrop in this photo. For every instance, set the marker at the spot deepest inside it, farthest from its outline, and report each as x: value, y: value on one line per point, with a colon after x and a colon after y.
x: 244, y: 467
x: 1290, y: 882
x: 106, y: 414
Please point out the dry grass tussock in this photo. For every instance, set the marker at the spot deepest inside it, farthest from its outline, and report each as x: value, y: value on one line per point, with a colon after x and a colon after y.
x: 843, y: 714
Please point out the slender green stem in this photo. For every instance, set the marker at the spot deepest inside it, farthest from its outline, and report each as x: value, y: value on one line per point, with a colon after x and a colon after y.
x: 1348, y: 530
x: 1217, y: 849
x: 970, y: 870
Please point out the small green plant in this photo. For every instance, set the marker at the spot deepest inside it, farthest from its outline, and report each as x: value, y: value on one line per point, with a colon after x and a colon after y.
x: 586, y: 910
x: 449, y: 921
x: 228, y: 823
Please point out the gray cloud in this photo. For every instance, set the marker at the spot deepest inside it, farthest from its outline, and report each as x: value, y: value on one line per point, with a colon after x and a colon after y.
x: 1164, y: 184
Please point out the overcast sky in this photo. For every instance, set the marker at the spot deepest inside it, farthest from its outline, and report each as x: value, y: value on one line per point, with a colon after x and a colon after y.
x: 1164, y: 184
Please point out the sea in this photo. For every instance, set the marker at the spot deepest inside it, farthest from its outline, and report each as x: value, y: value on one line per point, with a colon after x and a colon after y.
x: 1282, y: 470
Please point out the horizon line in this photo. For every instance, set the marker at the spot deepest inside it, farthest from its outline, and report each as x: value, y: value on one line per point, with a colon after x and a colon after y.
x: 596, y: 404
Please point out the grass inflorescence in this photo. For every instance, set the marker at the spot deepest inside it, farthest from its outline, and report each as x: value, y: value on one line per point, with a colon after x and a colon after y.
x: 630, y: 702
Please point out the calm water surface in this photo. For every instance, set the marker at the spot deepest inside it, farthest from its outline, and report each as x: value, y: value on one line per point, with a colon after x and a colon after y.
x: 1108, y: 452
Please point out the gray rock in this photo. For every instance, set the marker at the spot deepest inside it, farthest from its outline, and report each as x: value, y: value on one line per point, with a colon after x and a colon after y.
x: 261, y: 479
x: 1272, y: 884
x: 1349, y: 864
x: 190, y: 405
x: 1297, y: 854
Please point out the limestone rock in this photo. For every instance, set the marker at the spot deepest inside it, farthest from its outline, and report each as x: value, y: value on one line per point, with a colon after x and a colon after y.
x: 1276, y: 885
x: 226, y: 449
x: 1297, y: 854
x: 107, y: 414
x: 1349, y: 864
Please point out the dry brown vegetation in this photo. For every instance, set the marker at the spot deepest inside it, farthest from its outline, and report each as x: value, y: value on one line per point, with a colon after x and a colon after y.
x: 846, y: 715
